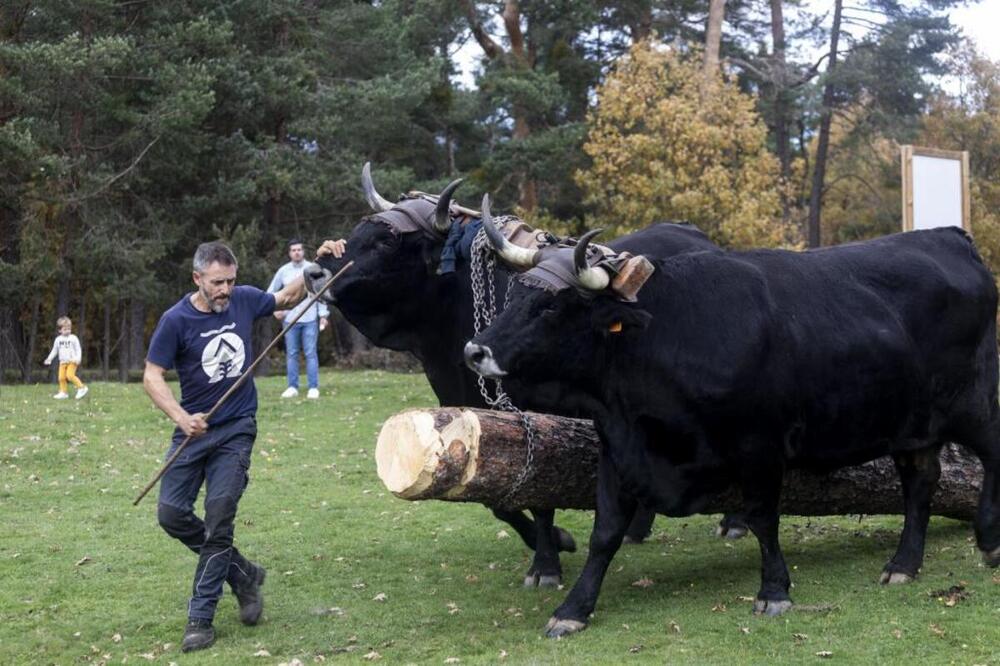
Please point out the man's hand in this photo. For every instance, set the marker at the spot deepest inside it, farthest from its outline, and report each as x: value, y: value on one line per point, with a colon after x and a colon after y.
x: 193, y: 424
x: 323, y: 323
x: 334, y: 247
x: 280, y: 314
x: 47, y: 362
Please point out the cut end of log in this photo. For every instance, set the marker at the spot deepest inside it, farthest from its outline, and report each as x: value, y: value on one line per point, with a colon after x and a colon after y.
x: 428, y: 452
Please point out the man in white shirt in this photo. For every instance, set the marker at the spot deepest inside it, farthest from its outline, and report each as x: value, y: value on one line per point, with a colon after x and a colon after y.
x: 302, y: 336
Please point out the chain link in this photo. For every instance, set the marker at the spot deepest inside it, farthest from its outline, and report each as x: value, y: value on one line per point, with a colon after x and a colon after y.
x: 484, y: 309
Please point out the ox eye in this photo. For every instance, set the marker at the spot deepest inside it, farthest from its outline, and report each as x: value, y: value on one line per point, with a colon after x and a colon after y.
x: 615, y: 327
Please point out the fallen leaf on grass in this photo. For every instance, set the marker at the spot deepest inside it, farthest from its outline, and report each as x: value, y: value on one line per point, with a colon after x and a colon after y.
x: 117, y: 638
x: 373, y: 655
x: 951, y: 596
x: 453, y: 608
x: 800, y: 637
x: 635, y: 649
x: 674, y: 627
x: 86, y: 558
x: 148, y: 656
x: 897, y: 633
x: 262, y: 653
x: 824, y: 654
x: 502, y: 534
x: 936, y: 630
x: 503, y: 654
x: 719, y: 608
x: 452, y: 660
x: 381, y: 596
x: 643, y: 583
x: 742, y: 598
x: 745, y: 630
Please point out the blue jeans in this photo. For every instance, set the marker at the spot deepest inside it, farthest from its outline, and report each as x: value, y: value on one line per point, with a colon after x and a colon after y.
x: 302, y: 337
x: 221, y: 459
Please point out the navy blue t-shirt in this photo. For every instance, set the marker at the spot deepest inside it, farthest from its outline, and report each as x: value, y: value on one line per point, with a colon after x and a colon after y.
x: 210, y: 351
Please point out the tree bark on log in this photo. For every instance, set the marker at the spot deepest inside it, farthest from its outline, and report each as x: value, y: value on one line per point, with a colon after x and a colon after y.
x: 475, y: 455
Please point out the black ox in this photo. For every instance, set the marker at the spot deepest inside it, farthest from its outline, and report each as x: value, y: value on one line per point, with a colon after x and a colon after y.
x: 396, y: 297
x: 732, y: 367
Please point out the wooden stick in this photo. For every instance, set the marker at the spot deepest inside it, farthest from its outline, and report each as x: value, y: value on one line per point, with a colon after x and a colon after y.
x: 239, y: 382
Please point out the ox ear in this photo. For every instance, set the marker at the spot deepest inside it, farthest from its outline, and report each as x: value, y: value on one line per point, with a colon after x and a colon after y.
x: 615, y: 318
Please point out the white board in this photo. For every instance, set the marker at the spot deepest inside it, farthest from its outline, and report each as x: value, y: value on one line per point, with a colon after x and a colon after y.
x: 937, y: 192
x: 935, y: 188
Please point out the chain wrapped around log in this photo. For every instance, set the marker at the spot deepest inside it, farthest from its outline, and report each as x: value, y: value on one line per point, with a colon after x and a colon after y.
x: 475, y: 455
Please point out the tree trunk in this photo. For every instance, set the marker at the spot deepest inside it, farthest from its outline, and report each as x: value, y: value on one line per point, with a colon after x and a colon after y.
x: 475, y: 455
x: 106, y: 352
x: 823, y: 144
x: 519, y: 55
x: 713, y: 37
x: 29, y: 352
x: 780, y: 82
x: 81, y: 327
x: 137, y: 334
x: 122, y: 343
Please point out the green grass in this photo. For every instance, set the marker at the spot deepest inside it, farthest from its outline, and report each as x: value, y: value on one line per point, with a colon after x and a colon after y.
x: 85, y: 577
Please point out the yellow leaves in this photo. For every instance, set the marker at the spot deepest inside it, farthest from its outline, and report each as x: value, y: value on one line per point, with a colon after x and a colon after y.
x: 660, y: 150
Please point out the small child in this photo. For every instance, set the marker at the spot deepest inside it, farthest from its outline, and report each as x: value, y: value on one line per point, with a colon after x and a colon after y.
x: 67, y: 346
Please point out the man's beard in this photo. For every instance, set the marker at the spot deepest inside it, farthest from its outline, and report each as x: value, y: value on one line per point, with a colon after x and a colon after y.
x: 215, y: 305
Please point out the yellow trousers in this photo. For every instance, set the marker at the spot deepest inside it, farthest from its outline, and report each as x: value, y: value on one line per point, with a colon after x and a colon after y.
x: 68, y: 371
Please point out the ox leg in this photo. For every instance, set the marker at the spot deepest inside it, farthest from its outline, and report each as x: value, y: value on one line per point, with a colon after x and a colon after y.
x: 761, y: 491
x: 919, y: 472
x: 545, y: 570
x: 732, y: 526
x: 988, y: 516
x: 641, y: 525
x: 984, y: 441
x: 545, y: 538
x: 614, y: 511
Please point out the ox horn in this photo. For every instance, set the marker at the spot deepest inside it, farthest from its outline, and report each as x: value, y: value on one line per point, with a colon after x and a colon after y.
x: 442, y: 212
x: 374, y: 199
x: 518, y: 257
x: 590, y: 277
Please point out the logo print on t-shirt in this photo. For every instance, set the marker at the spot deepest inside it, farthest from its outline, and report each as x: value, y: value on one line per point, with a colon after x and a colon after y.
x: 223, y: 357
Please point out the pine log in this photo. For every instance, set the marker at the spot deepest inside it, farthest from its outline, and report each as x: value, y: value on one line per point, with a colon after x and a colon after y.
x: 476, y: 455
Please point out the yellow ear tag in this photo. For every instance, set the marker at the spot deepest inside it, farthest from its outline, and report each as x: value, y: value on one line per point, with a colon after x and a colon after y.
x: 615, y: 327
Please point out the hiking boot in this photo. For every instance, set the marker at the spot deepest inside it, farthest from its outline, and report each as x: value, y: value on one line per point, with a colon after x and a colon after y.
x: 198, y: 635
x: 249, y: 596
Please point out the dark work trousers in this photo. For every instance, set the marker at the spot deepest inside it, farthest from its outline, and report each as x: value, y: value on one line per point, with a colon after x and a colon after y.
x: 221, y: 459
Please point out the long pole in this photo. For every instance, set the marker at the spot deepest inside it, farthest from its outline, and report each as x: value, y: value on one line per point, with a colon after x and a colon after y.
x: 239, y: 382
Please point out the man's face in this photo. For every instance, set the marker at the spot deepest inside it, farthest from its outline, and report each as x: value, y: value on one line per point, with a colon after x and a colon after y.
x: 296, y: 253
x: 215, y: 284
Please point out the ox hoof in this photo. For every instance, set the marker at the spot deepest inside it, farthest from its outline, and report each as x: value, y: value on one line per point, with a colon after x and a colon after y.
x: 895, y: 578
x: 557, y: 628
x: 733, y: 533
x: 542, y: 580
x: 633, y: 541
x: 566, y: 541
x: 992, y: 558
x: 771, y: 608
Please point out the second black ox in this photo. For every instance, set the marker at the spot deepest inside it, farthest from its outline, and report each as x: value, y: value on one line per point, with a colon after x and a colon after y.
x: 732, y: 367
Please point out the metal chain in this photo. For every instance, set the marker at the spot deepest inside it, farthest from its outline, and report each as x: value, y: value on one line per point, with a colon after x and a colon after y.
x: 484, y: 308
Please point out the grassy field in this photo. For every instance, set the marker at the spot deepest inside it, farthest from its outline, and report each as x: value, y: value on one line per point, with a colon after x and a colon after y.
x: 356, y: 574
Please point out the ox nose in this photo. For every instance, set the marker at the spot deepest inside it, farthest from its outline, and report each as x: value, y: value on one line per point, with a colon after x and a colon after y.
x: 480, y: 360
x: 315, y: 278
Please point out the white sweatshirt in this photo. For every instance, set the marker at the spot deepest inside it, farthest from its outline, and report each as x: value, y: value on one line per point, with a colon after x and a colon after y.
x: 68, y: 348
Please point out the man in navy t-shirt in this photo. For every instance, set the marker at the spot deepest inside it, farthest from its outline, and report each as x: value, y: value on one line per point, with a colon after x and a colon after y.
x: 206, y: 337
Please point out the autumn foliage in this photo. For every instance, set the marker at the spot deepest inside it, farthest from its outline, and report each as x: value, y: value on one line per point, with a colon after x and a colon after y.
x: 667, y: 145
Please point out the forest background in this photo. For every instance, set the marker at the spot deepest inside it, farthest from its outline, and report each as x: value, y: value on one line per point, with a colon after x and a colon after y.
x: 132, y: 130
